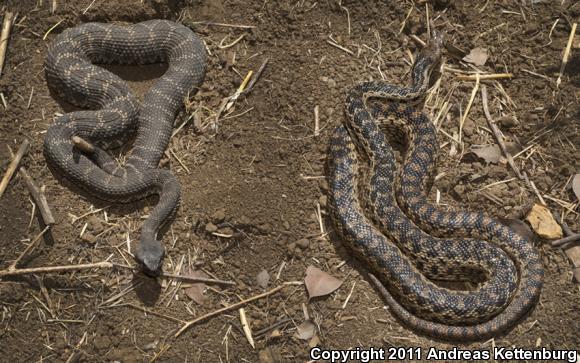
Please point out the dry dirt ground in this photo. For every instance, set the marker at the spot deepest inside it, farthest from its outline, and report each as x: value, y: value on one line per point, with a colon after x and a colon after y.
x: 253, y: 181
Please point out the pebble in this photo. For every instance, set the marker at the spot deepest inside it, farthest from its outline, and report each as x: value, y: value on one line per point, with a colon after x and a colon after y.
x: 291, y: 247
x: 304, y: 243
x: 322, y: 201
x: 219, y: 215
x: 508, y: 121
x: 89, y: 237
x: 210, y: 228
x: 96, y: 224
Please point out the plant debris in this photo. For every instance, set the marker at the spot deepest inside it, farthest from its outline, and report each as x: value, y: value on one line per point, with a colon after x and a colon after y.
x: 320, y: 283
x: 543, y: 223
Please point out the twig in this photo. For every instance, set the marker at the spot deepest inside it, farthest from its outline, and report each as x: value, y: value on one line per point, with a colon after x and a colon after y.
x: 49, y: 269
x: 263, y: 331
x: 83, y: 145
x: 468, y: 108
x: 51, y: 29
x: 227, y: 308
x: 316, y: 121
x: 6, y: 25
x: 484, y: 77
x: 256, y: 77
x: 246, y: 327
x: 13, y: 166
x: 145, y: 310
x: 221, y: 24
x: 497, y: 133
x: 334, y: 44
x: 566, y: 240
x: 566, y: 54
x: 38, y: 196
x: 28, y: 248
x: 197, y: 279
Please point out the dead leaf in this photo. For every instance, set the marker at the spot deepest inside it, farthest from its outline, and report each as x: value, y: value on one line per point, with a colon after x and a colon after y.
x: 492, y: 153
x: 306, y: 330
x: 319, y: 283
x: 263, y: 279
x: 543, y: 223
x: 315, y: 341
x: 477, y: 56
x: 195, y: 291
x: 576, y: 185
x: 520, y: 227
x: 489, y: 153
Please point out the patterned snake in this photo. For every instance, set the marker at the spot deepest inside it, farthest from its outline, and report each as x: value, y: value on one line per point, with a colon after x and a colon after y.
x: 406, y: 258
x: 115, y: 113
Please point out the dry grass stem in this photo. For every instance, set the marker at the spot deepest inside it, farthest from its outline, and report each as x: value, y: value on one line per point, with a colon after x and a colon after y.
x: 13, y: 166
x: 4, y: 35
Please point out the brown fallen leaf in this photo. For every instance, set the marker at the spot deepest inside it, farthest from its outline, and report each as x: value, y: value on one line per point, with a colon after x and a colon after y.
x: 492, y: 153
x: 319, y: 283
x: 543, y: 223
x: 263, y: 279
x: 489, y: 153
x: 576, y: 185
x: 315, y: 341
x: 520, y: 227
x: 196, y: 289
x: 477, y: 56
x: 306, y: 330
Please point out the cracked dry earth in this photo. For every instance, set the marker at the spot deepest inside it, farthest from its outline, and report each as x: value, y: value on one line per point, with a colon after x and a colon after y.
x: 253, y: 182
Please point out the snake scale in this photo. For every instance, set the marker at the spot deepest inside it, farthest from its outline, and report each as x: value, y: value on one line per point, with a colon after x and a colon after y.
x: 386, y: 222
x: 114, y: 112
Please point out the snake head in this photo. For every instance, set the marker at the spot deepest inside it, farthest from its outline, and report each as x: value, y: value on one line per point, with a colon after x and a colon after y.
x: 434, y: 47
x: 149, y: 254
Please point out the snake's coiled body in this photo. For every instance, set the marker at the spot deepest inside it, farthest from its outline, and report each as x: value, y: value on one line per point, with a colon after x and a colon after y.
x: 115, y: 113
x: 512, y: 266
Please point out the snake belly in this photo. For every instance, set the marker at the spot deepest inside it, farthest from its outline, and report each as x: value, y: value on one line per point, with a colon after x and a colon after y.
x: 416, y: 257
x: 114, y: 112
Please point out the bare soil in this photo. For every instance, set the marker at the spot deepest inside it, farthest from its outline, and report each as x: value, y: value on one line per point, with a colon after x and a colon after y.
x: 253, y: 181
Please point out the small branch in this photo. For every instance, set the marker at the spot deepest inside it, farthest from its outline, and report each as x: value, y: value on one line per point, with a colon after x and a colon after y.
x: 28, y: 248
x: 13, y: 166
x: 316, y: 121
x: 50, y: 269
x: 246, y: 328
x: 256, y: 77
x: 566, y: 240
x: 6, y: 26
x: 37, y: 194
x: 83, y: 145
x: 566, y: 55
x: 497, y: 133
x: 484, y: 77
x: 211, y: 23
x: 239, y: 304
x: 334, y: 44
x: 197, y: 279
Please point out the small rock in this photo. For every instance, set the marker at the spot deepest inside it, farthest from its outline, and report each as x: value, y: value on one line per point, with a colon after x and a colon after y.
x: 226, y: 230
x: 291, y: 247
x: 219, y: 215
x: 303, y: 243
x: 210, y: 228
x: 96, y: 224
x: 459, y: 189
x: 89, y: 237
x: 508, y: 121
x: 322, y: 201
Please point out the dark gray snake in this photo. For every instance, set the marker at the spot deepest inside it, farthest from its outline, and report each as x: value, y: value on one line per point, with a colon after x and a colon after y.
x: 115, y: 113
x: 406, y: 258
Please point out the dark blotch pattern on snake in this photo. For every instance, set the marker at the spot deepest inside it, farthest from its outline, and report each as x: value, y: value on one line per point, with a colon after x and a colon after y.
x: 406, y: 258
x: 114, y: 113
